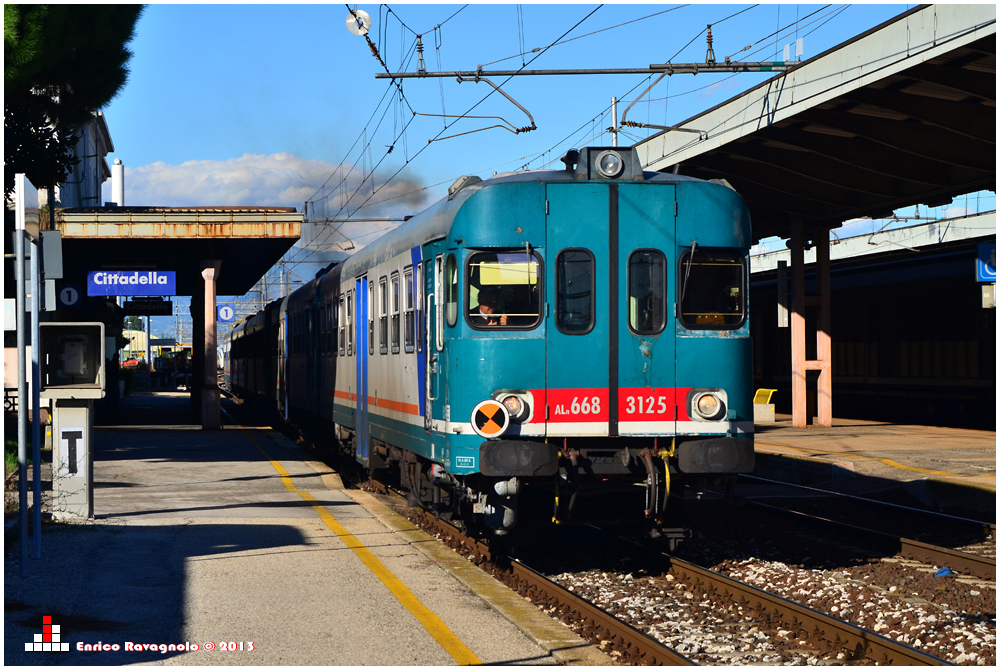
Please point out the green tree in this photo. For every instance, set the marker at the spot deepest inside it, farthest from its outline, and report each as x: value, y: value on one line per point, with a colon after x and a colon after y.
x: 134, y: 323
x: 61, y: 63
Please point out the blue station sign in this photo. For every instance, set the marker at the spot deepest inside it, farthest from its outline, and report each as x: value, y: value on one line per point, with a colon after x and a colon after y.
x: 986, y: 262
x: 131, y: 282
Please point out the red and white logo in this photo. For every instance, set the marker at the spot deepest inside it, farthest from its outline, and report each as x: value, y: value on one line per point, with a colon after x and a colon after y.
x: 48, y: 639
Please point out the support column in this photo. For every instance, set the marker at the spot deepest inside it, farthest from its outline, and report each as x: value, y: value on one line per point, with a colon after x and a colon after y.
x: 798, y: 317
x: 210, y: 409
x: 824, y: 345
x: 197, y: 349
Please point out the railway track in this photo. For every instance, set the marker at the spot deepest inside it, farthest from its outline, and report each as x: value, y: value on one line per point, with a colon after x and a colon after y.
x: 805, y: 627
x: 634, y: 646
x: 977, y: 565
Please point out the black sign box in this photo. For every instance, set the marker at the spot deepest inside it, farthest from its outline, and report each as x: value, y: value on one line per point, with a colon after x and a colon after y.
x: 149, y: 308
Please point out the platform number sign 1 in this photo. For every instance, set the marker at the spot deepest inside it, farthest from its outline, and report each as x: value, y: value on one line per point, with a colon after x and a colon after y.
x: 68, y: 295
x: 226, y: 313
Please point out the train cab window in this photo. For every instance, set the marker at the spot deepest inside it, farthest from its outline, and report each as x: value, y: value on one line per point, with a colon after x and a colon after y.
x: 383, y: 318
x: 647, y: 291
x: 504, y: 290
x: 394, y: 304
x: 371, y: 319
x: 575, y: 291
x: 451, y: 289
x: 350, y: 324
x: 712, y: 289
x: 408, y: 315
x: 342, y: 336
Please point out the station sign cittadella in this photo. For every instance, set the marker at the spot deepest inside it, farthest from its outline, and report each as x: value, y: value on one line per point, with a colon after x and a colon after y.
x: 131, y: 282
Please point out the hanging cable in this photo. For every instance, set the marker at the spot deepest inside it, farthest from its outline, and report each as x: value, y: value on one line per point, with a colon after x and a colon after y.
x: 481, y: 101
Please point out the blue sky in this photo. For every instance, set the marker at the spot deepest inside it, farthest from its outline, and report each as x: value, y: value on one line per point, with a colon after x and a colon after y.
x: 262, y: 104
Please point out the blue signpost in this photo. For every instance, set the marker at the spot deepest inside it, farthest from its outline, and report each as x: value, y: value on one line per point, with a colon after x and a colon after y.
x: 226, y: 313
x: 986, y: 262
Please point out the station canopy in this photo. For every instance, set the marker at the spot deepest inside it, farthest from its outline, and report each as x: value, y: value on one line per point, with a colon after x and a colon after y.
x: 247, y: 240
x: 903, y: 114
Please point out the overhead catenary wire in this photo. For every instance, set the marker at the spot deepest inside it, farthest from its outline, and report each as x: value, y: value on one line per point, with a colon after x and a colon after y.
x: 477, y: 104
x: 580, y: 37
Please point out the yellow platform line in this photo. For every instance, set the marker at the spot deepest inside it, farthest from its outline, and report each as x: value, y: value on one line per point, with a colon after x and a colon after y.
x: 430, y: 621
x: 887, y: 461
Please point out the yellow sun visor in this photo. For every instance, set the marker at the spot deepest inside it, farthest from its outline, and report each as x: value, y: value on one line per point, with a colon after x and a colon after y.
x: 509, y: 269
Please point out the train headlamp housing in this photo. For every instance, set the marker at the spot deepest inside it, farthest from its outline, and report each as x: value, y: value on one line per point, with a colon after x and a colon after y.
x: 517, y: 404
x: 610, y: 164
x: 707, y: 404
x: 620, y: 163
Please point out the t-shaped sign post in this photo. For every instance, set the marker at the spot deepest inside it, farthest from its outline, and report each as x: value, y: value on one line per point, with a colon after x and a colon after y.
x: 72, y: 375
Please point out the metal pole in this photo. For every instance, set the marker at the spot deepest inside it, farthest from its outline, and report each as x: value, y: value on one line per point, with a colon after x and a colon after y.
x: 614, y: 122
x: 655, y: 68
x: 22, y: 396
x: 36, y: 419
x: 149, y: 351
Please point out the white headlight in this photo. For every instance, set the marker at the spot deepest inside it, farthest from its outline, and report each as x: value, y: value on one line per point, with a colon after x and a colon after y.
x: 513, y: 405
x: 709, y: 406
x: 610, y: 164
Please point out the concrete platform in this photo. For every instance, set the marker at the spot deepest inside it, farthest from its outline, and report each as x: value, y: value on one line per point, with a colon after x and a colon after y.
x: 940, y: 465
x: 235, y: 537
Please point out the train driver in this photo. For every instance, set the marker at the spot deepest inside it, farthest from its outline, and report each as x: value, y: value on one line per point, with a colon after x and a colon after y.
x: 489, y: 300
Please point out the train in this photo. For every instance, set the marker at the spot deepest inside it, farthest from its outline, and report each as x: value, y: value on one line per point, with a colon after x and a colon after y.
x: 573, y: 333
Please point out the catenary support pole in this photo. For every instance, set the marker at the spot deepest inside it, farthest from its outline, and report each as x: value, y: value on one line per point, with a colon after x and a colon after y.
x: 614, y: 122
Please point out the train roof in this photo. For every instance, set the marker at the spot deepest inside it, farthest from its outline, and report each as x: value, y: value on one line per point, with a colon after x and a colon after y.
x: 434, y: 222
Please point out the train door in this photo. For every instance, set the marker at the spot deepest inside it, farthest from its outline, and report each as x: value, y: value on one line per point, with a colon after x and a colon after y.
x: 361, y: 357
x: 578, y: 366
x: 646, y: 222
x: 434, y: 279
x: 610, y: 355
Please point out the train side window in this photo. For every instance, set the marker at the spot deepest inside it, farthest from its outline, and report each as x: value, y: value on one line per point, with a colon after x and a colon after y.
x: 371, y: 319
x: 394, y: 304
x: 322, y: 329
x: 439, y: 302
x: 341, y: 335
x: 451, y: 288
x: 329, y: 327
x: 383, y: 318
x: 712, y: 288
x: 575, y: 291
x: 647, y: 291
x: 335, y: 327
x: 419, y: 307
x: 350, y: 324
x: 408, y: 315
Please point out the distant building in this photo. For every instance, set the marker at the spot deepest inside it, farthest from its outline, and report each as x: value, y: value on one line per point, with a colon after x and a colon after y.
x: 82, y: 187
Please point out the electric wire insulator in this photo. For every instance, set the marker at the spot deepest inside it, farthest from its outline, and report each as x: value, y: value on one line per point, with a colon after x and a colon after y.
x: 710, y: 53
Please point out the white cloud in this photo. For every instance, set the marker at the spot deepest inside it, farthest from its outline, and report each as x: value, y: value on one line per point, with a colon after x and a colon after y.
x: 276, y: 180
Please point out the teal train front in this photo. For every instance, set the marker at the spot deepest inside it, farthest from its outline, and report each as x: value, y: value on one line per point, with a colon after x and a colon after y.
x: 573, y: 332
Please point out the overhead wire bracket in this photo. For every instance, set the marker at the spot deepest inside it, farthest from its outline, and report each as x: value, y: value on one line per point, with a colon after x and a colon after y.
x: 507, y: 125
